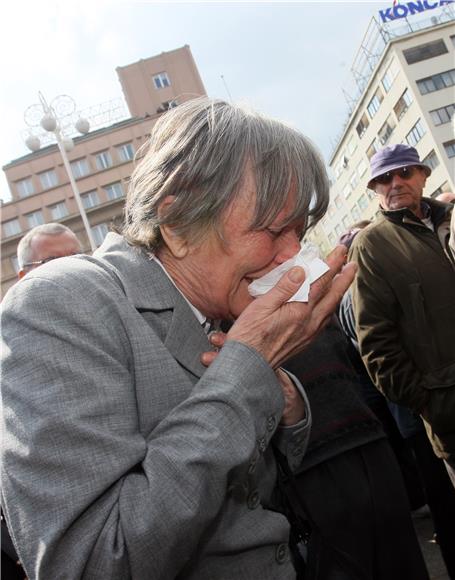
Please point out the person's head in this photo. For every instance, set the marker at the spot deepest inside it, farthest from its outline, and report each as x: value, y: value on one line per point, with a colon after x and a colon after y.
x: 222, y: 196
x: 347, y: 238
x: 398, y: 177
x: 45, y: 243
x: 446, y: 197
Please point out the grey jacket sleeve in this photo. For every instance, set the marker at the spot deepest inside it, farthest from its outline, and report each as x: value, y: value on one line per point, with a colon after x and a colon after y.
x: 88, y: 495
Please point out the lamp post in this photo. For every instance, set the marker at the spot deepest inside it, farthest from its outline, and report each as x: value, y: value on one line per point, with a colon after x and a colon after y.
x: 49, y: 117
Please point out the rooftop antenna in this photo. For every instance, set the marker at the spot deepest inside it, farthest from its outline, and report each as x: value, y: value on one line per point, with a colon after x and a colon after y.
x: 226, y: 87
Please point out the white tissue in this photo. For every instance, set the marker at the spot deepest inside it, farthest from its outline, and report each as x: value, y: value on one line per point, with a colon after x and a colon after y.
x: 307, y: 258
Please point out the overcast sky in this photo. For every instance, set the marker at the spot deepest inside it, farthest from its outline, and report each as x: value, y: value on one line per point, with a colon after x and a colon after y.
x: 288, y: 59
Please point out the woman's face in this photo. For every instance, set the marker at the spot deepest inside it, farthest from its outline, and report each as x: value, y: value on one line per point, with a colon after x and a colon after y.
x: 214, y: 275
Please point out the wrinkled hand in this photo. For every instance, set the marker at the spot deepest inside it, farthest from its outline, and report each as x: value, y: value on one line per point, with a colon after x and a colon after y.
x: 294, y: 407
x: 278, y: 329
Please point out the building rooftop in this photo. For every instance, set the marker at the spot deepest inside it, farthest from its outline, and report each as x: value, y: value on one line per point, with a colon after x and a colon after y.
x: 377, y: 38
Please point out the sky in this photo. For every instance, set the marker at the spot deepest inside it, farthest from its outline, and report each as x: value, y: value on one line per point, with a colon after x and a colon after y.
x: 290, y: 60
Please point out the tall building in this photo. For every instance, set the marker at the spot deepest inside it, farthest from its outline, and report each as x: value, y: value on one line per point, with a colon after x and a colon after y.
x: 405, y: 72
x: 101, y: 161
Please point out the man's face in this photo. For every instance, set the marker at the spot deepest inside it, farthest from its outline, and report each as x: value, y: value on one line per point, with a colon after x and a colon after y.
x: 44, y: 246
x: 402, y: 191
x: 215, y: 276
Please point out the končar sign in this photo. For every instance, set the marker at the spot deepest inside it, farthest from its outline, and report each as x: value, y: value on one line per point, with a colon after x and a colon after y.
x: 408, y: 8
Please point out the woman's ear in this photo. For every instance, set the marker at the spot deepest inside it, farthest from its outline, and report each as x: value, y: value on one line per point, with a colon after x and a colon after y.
x: 177, y: 245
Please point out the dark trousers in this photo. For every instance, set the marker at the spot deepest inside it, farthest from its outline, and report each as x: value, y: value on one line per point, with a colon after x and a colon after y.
x: 402, y: 449
x: 440, y: 497
x: 359, y: 513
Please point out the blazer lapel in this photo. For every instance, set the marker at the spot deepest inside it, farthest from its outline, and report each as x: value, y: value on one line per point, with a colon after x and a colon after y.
x: 186, y: 339
x: 149, y: 289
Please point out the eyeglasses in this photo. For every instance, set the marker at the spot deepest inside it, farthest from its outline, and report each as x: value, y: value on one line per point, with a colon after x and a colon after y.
x: 402, y: 172
x: 45, y: 260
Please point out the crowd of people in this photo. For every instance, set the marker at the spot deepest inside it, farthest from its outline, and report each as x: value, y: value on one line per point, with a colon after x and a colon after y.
x: 290, y: 443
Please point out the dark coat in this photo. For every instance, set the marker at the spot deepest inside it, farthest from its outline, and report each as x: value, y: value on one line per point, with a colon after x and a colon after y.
x: 404, y: 304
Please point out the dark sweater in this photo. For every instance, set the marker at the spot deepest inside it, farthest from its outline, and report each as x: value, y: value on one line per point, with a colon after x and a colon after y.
x: 341, y: 420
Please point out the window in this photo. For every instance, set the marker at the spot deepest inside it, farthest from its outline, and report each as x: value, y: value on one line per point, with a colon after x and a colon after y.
x: 103, y: 160
x: 161, y: 80
x: 338, y: 202
x: 370, y: 194
x: 386, y: 130
x: 402, y: 105
x: 449, y: 146
x: 436, y: 82
x: 331, y: 211
x: 15, y: 264
x: 99, y: 233
x: 11, y: 228
x: 389, y: 76
x: 452, y: 38
x: 48, y: 179
x: 338, y: 231
x: 346, y: 222
x: 125, y: 152
x: 114, y: 190
x: 90, y: 199
x: 373, y: 148
x: 35, y: 218
x: 431, y: 160
x: 166, y: 105
x: 415, y: 134
x: 362, y: 125
x: 352, y: 146
x: 355, y: 213
x: 80, y: 168
x: 339, y: 168
x: 441, y: 189
x: 347, y: 191
x: 443, y: 115
x: 425, y: 51
x: 361, y: 168
x: 354, y: 180
x: 25, y: 187
x: 332, y: 239
x: 374, y: 104
x: 59, y: 210
x: 363, y: 202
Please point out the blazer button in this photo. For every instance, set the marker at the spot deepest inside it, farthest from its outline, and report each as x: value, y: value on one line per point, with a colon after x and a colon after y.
x: 281, y: 553
x: 271, y: 423
x: 253, y: 500
x: 262, y: 444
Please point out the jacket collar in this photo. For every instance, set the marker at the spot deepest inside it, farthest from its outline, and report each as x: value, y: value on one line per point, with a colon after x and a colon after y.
x: 438, y: 212
x: 149, y: 289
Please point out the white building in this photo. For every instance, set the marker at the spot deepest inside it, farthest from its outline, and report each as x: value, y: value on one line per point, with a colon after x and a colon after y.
x: 405, y: 73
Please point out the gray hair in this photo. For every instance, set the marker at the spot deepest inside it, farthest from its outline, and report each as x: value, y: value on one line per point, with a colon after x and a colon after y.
x: 24, y: 249
x: 199, y: 152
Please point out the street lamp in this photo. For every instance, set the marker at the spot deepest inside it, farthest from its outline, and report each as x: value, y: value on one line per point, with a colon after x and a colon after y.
x: 50, y: 118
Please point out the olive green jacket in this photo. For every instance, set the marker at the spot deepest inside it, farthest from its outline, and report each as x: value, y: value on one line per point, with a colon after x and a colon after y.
x: 404, y: 305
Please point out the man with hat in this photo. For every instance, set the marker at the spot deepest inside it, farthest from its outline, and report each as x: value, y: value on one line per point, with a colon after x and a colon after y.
x: 404, y: 296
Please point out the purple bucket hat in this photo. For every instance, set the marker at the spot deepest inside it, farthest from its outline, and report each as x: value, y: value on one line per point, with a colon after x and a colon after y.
x: 394, y: 157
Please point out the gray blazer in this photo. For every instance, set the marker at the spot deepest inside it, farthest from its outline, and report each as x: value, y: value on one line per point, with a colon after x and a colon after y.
x: 123, y: 457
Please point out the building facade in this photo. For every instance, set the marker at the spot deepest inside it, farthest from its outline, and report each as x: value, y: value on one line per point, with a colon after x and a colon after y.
x: 407, y: 96
x: 101, y: 161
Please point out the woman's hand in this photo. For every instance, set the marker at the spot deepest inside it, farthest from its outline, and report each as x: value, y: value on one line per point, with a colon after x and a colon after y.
x: 279, y: 329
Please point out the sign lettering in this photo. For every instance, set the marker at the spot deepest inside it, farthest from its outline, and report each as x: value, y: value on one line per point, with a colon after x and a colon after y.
x: 409, y: 8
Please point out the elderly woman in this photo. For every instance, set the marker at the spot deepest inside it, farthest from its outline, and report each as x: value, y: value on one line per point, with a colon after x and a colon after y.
x: 124, y: 457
